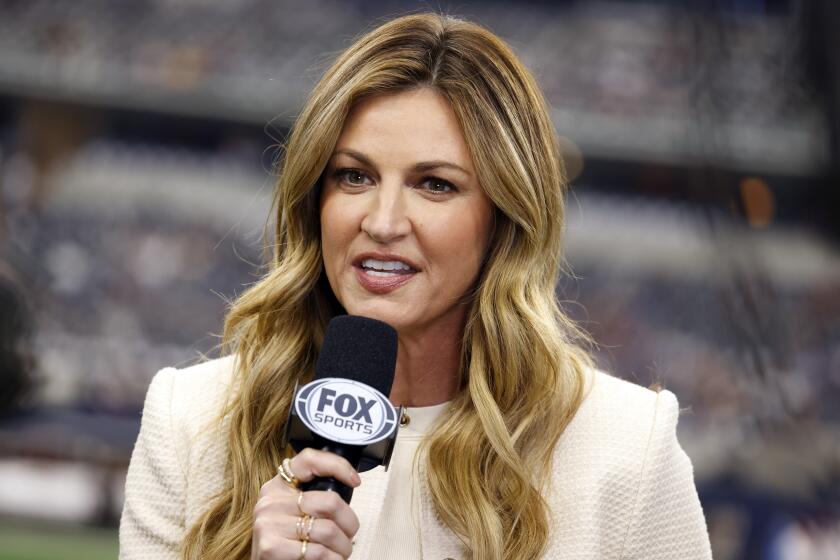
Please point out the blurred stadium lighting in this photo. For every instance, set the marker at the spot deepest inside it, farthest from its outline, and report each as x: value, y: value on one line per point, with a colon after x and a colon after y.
x: 572, y: 158
x: 758, y: 201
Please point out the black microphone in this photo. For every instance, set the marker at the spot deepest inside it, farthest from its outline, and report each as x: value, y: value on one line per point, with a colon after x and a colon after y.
x: 345, y: 408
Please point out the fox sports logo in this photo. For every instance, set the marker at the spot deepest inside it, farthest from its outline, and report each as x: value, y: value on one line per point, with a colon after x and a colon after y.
x: 345, y: 411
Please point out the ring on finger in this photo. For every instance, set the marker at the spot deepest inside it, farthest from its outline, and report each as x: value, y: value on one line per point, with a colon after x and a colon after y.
x: 300, y: 504
x: 309, y: 522
x: 300, y: 530
x: 285, y: 472
x: 303, y: 545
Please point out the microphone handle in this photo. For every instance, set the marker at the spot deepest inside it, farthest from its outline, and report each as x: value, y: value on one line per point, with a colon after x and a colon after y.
x: 353, y: 453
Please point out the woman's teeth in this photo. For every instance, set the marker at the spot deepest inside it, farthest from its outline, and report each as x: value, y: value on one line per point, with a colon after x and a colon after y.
x: 384, y: 268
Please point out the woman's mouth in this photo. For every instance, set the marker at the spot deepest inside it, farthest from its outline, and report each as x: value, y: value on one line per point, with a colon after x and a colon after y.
x: 383, y: 276
x: 385, y: 268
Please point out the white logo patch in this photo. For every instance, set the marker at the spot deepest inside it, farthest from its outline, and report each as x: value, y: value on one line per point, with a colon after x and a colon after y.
x: 345, y: 411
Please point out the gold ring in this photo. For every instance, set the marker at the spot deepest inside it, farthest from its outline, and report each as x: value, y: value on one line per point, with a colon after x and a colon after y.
x: 309, y: 522
x: 303, y: 545
x: 299, y: 502
x: 299, y: 527
x: 285, y: 472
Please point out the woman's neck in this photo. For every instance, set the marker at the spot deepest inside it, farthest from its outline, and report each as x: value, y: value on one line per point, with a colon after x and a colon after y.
x: 427, y: 367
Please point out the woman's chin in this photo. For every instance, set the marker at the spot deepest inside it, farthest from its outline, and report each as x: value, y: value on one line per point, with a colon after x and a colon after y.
x: 391, y: 316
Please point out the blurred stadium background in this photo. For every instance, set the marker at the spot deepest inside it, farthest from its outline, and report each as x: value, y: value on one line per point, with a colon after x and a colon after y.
x: 136, y: 148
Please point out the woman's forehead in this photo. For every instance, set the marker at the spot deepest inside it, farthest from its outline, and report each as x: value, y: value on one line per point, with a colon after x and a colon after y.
x: 417, y: 124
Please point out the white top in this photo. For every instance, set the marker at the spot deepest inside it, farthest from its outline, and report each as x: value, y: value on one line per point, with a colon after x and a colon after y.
x: 621, y: 486
x: 400, y: 518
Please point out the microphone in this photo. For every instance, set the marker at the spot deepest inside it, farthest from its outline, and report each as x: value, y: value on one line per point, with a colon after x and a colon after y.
x: 345, y: 408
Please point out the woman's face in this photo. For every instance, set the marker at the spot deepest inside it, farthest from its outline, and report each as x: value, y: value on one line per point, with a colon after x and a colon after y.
x: 404, y: 222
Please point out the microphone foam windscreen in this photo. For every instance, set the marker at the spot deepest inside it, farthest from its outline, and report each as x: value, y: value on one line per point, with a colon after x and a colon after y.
x: 361, y: 349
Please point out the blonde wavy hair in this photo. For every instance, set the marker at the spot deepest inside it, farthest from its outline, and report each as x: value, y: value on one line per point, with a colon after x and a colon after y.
x: 522, y: 364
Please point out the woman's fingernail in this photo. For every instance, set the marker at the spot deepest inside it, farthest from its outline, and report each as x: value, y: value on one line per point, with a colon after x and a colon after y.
x: 357, y: 479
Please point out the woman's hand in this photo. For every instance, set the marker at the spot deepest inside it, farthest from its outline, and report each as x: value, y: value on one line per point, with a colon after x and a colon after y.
x: 281, y: 507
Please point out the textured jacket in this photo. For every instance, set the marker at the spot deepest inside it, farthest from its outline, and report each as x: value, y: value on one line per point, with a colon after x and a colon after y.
x: 621, y: 488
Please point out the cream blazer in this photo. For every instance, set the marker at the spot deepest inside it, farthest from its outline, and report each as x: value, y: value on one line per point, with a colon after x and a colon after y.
x: 621, y: 488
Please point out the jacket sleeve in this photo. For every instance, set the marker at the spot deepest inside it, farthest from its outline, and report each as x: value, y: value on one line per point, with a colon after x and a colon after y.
x: 667, y: 521
x: 152, y: 522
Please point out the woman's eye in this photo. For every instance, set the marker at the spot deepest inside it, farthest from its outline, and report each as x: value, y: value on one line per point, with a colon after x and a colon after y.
x: 351, y: 177
x: 438, y: 186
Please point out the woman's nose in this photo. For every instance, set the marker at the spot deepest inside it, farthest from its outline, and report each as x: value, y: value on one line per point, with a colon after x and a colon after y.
x: 387, y: 219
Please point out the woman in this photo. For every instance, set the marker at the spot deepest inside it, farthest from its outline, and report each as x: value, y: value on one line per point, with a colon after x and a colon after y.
x: 421, y: 186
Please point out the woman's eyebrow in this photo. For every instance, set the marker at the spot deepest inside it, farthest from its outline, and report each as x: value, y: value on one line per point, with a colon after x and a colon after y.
x: 436, y: 164
x: 360, y: 157
x: 421, y: 166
